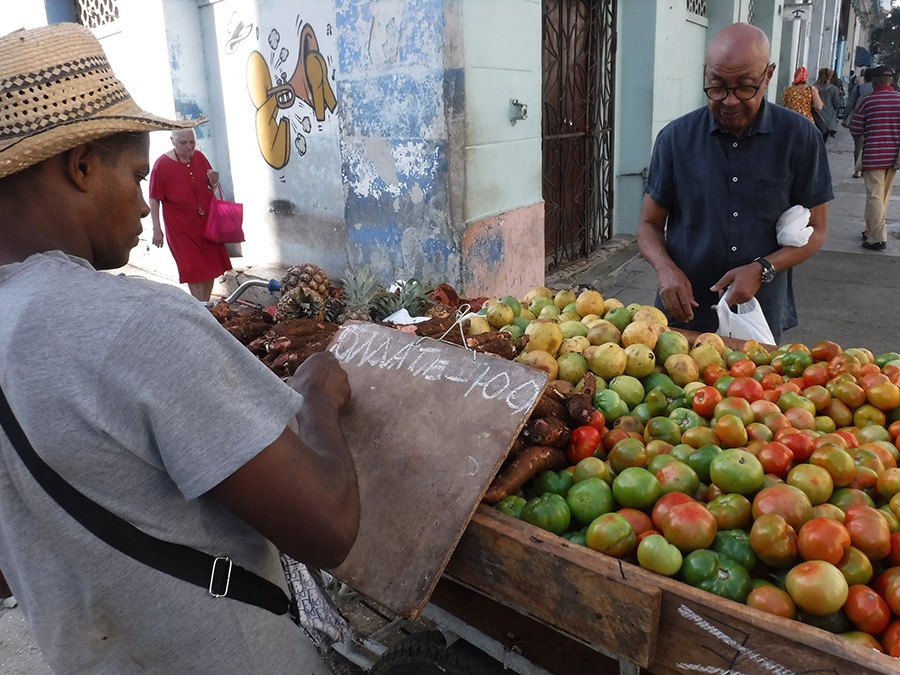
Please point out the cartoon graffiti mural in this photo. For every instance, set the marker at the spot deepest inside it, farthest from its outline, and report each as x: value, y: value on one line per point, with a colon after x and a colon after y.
x: 285, y: 101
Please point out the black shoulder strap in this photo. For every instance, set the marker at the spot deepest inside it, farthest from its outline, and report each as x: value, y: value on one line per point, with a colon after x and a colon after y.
x: 219, y: 575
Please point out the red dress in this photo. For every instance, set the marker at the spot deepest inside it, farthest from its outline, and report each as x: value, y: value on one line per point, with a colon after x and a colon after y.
x: 182, y: 190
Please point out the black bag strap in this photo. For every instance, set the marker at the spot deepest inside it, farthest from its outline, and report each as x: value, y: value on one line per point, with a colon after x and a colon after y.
x: 217, y: 574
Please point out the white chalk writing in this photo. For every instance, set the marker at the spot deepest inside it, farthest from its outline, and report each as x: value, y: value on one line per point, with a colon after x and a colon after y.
x: 367, y: 345
x: 739, y: 648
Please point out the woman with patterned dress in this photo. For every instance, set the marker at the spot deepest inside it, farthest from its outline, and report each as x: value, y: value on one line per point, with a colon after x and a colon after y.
x: 182, y: 181
x: 801, y: 97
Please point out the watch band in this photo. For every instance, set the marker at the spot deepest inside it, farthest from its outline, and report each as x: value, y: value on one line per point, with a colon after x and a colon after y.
x: 768, y: 269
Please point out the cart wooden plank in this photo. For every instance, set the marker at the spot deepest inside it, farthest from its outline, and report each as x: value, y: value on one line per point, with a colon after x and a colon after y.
x: 568, y: 587
x: 428, y: 427
x: 696, y: 631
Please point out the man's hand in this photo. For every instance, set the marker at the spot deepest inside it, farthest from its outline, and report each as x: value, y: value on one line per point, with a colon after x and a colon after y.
x: 744, y: 282
x: 676, y: 293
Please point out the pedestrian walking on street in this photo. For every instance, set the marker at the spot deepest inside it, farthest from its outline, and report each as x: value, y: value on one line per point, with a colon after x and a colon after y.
x: 801, y: 97
x: 877, y: 121
x: 858, y: 92
x: 712, y: 201
x: 832, y: 100
x: 149, y: 479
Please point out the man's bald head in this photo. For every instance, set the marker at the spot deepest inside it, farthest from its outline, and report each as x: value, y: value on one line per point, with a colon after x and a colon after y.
x: 738, y: 38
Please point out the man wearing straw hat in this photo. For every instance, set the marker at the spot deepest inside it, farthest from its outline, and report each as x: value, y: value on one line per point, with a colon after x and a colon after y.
x: 125, y: 455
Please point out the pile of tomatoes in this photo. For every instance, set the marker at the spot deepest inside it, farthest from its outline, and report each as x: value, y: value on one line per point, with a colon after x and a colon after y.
x: 773, y: 481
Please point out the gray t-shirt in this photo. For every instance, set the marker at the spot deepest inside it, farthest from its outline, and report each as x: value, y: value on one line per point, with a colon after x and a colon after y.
x: 137, y: 397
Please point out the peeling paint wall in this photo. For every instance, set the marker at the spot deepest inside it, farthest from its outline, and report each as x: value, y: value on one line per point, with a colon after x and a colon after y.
x: 394, y: 138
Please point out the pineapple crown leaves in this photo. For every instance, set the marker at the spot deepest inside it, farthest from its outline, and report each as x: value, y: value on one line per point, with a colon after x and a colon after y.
x: 411, y: 295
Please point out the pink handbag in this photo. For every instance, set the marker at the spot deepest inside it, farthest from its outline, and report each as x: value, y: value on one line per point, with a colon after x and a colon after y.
x: 224, y: 221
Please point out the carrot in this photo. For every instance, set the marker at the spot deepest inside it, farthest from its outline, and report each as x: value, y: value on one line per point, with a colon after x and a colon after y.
x: 531, y: 462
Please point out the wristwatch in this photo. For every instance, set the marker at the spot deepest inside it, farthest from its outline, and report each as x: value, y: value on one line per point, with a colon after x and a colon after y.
x: 768, y: 269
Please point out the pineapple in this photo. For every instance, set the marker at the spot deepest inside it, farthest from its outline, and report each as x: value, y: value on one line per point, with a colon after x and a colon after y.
x: 359, y: 289
x: 411, y: 294
x: 300, y: 303
x: 308, y: 276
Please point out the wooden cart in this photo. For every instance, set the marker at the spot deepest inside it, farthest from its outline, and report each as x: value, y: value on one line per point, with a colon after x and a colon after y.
x: 563, y: 607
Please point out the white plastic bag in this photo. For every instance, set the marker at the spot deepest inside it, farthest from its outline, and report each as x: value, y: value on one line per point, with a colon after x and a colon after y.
x: 792, y: 228
x: 748, y: 323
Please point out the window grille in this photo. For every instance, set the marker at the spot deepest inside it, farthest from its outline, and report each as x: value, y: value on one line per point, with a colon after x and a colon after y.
x: 750, y: 13
x: 696, y: 7
x: 96, y: 13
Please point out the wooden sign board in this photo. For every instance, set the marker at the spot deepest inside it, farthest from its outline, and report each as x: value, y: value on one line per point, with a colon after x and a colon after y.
x: 428, y: 426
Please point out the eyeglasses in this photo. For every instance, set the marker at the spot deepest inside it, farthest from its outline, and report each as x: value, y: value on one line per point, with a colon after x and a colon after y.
x: 743, y: 92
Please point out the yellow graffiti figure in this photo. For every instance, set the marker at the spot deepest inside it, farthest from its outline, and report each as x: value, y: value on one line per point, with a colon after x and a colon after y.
x: 309, y: 83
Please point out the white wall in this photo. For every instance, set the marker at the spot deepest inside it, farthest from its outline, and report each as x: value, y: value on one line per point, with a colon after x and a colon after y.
x: 503, y: 161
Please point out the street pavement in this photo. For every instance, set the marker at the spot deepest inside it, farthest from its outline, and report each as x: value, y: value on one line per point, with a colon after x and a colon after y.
x: 844, y: 293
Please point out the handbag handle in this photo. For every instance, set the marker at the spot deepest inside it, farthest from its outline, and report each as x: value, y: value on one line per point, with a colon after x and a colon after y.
x: 214, y: 573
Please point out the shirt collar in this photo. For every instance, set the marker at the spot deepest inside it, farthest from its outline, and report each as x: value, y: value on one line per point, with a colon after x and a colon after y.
x: 762, y: 125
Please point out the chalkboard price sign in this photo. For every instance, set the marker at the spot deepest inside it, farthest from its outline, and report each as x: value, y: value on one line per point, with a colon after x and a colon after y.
x: 429, y: 425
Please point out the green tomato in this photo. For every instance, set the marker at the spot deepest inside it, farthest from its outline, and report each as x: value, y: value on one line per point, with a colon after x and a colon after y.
x: 588, y: 499
x: 793, y: 363
x: 658, y: 555
x: 610, y: 404
x: 636, y: 488
x: 511, y: 505
x: 736, y: 545
x: 723, y: 383
x: 717, y: 574
x: 686, y: 419
x: 556, y: 482
x: 549, y: 512
x: 736, y: 470
x: 577, y: 537
x: 700, y: 460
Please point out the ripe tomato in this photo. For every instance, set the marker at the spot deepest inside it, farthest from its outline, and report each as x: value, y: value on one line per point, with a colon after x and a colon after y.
x: 825, y: 350
x: 743, y: 368
x: 836, y: 461
x: 816, y: 374
x: 819, y: 396
x: 890, y: 639
x: 731, y: 431
x: 866, y: 609
x: 774, y: 541
x: 770, y: 381
x: 713, y: 372
x: 769, y: 598
x: 893, y: 558
x: 817, y: 587
x: 745, y: 387
x: 690, y: 526
x: 869, y: 531
x: 787, y: 501
x: 892, y: 595
x: 776, y: 458
x: 823, y: 539
x: 665, y: 504
x: 801, y: 444
x: 640, y: 521
x: 705, y: 401
x: 583, y: 442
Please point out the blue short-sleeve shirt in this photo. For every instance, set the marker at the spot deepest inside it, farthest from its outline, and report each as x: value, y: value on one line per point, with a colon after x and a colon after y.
x: 724, y: 195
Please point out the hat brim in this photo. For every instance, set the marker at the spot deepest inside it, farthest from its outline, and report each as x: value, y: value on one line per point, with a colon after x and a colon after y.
x: 19, y: 154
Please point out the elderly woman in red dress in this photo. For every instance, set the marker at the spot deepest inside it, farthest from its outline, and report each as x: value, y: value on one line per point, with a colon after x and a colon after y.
x: 183, y: 181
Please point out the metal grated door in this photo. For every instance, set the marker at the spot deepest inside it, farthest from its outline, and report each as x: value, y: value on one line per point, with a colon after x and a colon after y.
x: 579, y: 47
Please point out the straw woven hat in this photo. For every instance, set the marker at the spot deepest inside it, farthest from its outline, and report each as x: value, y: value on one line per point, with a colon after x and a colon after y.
x: 58, y: 91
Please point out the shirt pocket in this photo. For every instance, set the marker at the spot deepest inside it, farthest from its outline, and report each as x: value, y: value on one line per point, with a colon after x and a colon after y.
x: 773, y: 197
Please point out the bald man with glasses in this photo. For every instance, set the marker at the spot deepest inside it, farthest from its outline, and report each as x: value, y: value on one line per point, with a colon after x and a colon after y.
x: 719, y: 178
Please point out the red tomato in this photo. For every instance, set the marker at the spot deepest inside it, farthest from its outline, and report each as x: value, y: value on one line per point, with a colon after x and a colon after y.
x: 890, y: 639
x: 743, y: 368
x: 690, y: 526
x: 881, y: 582
x: 866, y: 609
x: 769, y: 598
x: 869, y: 531
x: 816, y: 374
x: 705, y: 401
x: 713, y: 372
x: 774, y: 541
x: 823, y: 539
x: 746, y: 388
x: 776, y: 458
x: 640, y: 521
x: 598, y: 421
x: 892, y: 595
x: 583, y: 442
x: 802, y: 445
x: 665, y: 503
x: 893, y: 558
x: 789, y: 502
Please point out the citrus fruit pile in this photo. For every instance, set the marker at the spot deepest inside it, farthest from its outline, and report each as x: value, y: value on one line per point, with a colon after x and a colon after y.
x: 768, y: 476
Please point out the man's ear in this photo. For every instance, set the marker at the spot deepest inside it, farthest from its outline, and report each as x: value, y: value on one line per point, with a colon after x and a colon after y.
x: 81, y: 164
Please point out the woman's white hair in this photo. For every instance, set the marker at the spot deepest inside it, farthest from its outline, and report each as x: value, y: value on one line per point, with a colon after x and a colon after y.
x: 175, y: 133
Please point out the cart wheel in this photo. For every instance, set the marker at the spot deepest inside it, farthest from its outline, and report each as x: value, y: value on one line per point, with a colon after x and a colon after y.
x: 427, y: 654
